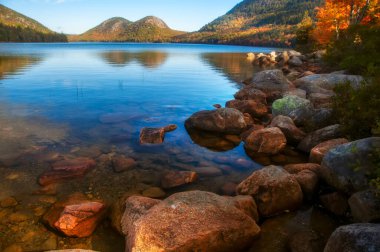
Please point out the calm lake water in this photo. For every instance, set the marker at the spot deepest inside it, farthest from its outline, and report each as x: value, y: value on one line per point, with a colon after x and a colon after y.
x: 91, y: 100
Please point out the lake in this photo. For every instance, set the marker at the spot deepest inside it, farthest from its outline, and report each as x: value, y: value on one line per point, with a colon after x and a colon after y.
x: 91, y: 100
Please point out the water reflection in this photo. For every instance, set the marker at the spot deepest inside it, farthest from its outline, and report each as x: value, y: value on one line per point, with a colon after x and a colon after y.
x: 148, y: 59
x: 10, y: 65
x: 234, y: 66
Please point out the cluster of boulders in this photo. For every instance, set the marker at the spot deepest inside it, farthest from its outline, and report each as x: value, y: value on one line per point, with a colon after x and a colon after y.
x: 278, y: 110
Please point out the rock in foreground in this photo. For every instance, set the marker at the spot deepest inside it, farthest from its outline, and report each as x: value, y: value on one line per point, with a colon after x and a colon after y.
x: 75, y: 216
x: 274, y: 190
x: 192, y: 221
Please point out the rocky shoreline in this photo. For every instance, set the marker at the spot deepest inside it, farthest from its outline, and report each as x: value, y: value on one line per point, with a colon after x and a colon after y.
x: 282, y: 115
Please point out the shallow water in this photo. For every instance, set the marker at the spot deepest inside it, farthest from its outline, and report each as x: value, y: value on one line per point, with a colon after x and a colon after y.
x: 76, y: 100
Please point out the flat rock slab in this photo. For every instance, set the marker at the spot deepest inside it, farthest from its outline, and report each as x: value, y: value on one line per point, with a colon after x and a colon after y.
x: 76, y: 216
x: 155, y: 135
x: 65, y: 170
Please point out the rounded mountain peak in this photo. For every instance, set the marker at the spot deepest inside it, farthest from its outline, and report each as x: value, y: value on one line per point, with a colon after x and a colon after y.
x: 155, y: 21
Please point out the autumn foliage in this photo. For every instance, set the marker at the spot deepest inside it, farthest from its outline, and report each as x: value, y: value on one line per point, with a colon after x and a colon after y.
x: 335, y: 16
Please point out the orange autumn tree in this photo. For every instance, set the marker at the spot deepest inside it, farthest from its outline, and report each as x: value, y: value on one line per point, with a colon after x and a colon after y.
x: 336, y: 16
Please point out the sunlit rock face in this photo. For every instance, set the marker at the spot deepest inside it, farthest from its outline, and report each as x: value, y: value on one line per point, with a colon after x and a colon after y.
x: 193, y: 221
x: 76, y: 216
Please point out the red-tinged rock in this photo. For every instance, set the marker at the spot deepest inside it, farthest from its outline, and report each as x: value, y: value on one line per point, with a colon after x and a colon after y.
x: 287, y: 126
x: 81, y: 163
x: 66, y: 170
x: 246, y: 204
x: 177, y: 178
x: 308, y: 181
x: 250, y: 93
x: 135, y: 207
x: 122, y: 163
x: 252, y: 107
x: 152, y: 135
x: 75, y: 216
x: 266, y: 141
x: 192, y: 221
x: 318, y: 152
x: 170, y: 128
x: 274, y: 190
x: 296, y: 168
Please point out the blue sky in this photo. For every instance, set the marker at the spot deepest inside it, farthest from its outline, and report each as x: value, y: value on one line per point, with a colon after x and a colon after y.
x: 77, y: 16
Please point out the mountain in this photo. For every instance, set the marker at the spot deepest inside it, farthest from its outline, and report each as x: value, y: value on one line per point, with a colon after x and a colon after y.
x: 148, y: 29
x: 15, y: 27
x: 256, y: 22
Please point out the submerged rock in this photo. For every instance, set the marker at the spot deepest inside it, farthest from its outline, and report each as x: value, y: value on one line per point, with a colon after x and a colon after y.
x: 274, y: 190
x: 122, y: 163
x: 66, y: 170
x: 363, y: 237
x: 266, y: 141
x: 177, y: 178
x: 346, y: 166
x: 224, y: 120
x: 192, y: 221
x: 76, y: 216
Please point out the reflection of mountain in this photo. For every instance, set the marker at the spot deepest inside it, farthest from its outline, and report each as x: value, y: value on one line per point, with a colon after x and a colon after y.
x: 148, y: 59
x: 13, y: 64
x: 117, y: 58
x: 235, y: 66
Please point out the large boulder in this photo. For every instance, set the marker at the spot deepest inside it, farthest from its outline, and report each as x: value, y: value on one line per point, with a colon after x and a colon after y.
x: 319, y: 151
x: 288, y: 104
x: 223, y: 120
x: 346, y: 167
x: 134, y: 208
x: 252, y: 107
x: 363, y: 237
x: 191, y: 221
x: 365, y: 206
x: 271, y: 82
x: 250, y: 93
x: 325, y: 83
x: 274, y: 190
x: 295, y: 61
x: 290, y: 130
x: 75, y: 216
x: 319, y: 136
x: 266, y: 141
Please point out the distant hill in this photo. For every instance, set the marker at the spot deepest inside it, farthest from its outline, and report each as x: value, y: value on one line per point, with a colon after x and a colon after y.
x: 255, y: 22
x: 15, y: 27
x: 148, y: 29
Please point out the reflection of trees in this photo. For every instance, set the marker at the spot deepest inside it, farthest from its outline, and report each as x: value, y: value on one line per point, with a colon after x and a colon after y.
x: 235, y: 66
x: 148, y: 59
x: 13, y: 64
